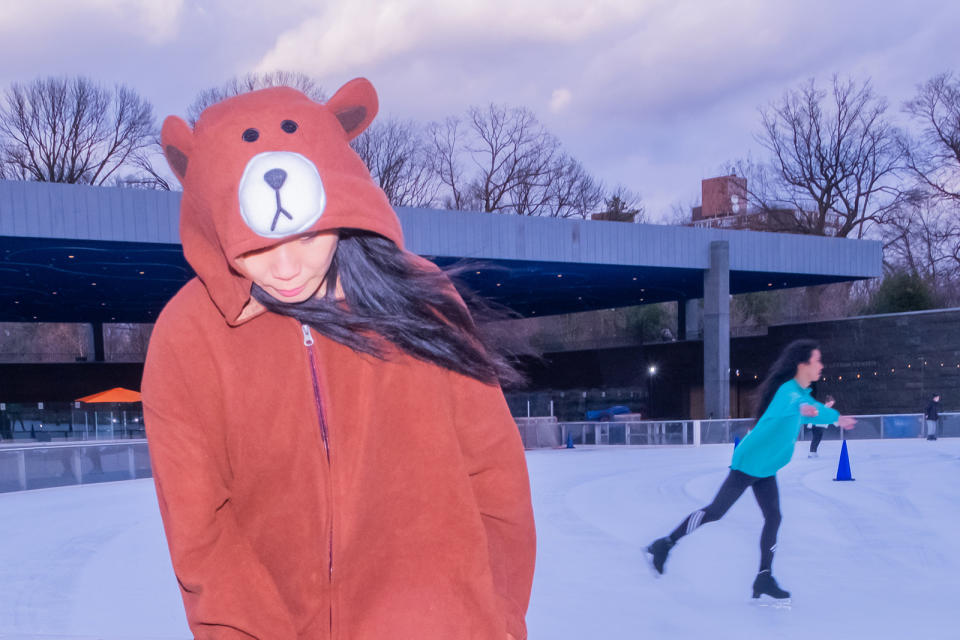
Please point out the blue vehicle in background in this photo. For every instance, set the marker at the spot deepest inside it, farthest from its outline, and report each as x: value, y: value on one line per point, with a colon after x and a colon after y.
x: 606, y: 415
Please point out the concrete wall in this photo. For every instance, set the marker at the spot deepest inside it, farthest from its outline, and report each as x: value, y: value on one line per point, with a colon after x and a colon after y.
x: 900, y: 359
x: 603, y: 329
x: 126, y: 342
x: 36, y: 342
x: 49, y: 342
x: 888, y: 352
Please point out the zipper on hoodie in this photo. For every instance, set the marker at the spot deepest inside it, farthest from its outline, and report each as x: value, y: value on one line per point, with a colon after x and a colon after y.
x: 324, y: 434
x: 315, y: 377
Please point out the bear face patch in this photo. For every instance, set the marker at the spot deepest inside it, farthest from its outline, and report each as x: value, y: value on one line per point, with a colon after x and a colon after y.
x: 281, y: 194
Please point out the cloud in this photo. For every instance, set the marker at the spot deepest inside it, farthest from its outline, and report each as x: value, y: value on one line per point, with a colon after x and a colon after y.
x: 679, y: 61
x: 367, y: 33
x: 155, y: 22
x: 560, y: 99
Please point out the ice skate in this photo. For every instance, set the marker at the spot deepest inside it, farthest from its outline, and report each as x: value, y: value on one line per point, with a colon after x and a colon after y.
x: 766, y: 585
x: 657, y: 553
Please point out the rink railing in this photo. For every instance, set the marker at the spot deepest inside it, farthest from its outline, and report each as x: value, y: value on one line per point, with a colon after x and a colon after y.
x: 56, y: 464
x: 546, y: 432
x: 40, y: 466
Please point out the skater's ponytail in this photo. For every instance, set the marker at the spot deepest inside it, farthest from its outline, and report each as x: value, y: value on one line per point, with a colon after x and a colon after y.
x: 797, y: 352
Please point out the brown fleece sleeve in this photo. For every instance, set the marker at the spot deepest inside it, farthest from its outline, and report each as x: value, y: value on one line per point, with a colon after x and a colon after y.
x: 227, y: 592
x: 494, y: 455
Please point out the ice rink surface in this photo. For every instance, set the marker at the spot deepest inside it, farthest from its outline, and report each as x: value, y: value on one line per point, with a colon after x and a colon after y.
x: 875, y: 558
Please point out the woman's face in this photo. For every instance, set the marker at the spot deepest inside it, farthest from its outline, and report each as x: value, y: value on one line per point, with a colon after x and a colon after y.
x: 810, y: 370
x: 292, y: 271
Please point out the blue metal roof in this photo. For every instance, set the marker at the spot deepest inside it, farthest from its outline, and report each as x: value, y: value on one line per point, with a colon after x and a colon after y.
x: 84, y: 254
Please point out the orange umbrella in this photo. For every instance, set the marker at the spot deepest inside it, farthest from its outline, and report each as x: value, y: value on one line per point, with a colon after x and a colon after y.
x: 117, y: 394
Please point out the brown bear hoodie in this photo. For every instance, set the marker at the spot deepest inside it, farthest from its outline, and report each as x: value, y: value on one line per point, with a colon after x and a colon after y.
x: 308, y: 491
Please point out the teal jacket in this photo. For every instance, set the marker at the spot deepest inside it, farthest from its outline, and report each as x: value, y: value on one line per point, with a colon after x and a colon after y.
x: 769, y: 445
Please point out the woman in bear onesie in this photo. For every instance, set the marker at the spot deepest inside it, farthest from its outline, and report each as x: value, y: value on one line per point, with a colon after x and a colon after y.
x: 333, y: 455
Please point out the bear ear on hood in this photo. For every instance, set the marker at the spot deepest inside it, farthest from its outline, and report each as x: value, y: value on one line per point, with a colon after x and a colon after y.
x: 355, y: 104
x: 177, y: 140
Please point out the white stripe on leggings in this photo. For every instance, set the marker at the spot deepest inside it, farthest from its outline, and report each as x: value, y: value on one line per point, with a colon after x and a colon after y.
x: 694, y: 520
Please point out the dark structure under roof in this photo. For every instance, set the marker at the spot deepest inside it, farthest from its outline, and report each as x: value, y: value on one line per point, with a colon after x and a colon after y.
x: 95, y: 254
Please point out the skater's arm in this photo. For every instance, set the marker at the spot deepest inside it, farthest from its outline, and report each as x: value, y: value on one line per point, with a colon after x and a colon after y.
x: 493, y: 451
x: 227, y: 592
x: 817, y: 413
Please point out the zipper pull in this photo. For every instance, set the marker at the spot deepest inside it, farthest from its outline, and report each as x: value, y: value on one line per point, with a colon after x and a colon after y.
x: 307, y: 336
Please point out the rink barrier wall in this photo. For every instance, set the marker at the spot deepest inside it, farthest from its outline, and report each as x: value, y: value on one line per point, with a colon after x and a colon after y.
x: 28, y: 465
x: 546, y: 434
x: 41, y: 466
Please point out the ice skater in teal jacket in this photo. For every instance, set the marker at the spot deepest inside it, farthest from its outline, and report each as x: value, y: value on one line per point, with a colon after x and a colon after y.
x: 784, y: 397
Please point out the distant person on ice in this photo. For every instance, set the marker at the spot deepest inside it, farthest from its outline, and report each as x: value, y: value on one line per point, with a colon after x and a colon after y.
x: 784, y: 396
x: 332, y: 452
x: 816, y: 431
x: 932, y: 415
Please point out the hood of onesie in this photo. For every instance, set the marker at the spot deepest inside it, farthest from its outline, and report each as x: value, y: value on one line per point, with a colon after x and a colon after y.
x: 262, y: 167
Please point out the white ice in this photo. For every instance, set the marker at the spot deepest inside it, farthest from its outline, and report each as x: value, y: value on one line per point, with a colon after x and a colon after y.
x: 875, y: 558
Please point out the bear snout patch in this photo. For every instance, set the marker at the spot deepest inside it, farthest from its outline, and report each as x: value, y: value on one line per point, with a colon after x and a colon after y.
x: 281, y: 194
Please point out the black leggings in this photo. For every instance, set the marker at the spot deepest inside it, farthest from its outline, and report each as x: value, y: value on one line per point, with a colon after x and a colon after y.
x: 815, y: 437
x: 768, y: 497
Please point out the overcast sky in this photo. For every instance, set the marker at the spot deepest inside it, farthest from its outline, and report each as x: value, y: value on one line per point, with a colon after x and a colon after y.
x: 655, y: 95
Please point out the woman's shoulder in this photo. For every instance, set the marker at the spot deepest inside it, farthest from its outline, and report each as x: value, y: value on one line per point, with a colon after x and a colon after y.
x: 188, y: 318
x: 192, y: 297
x: 789, y: 392
x: 191, y: 304
x: 791, y: 386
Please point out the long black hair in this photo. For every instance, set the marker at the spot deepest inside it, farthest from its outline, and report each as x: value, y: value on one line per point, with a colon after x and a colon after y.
x: 389, y: 296
x: 796, y: 353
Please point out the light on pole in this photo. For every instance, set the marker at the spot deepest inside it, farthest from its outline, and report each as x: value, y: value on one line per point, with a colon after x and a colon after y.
x: 651, y: 371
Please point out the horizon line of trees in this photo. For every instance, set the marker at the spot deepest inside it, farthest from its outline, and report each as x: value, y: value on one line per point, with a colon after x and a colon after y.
x: 834, y: 158
x: 495, y: 159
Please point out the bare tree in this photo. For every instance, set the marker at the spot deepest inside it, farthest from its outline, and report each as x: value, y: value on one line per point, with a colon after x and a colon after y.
x: 252, y: 82
x: 511, y: 152
x: 502, y: 160
x: 150, y: 170
x: 559, y: 187
x: 447, y: 139
x: 571, y: 192
x: 834, y: 159
x: 72, y: 130
x: 763, y: 183
x: 681, y: 213
x: 934, y: 158
x: 534, y: 191
x: 923, y: 238
x: 399, y: 159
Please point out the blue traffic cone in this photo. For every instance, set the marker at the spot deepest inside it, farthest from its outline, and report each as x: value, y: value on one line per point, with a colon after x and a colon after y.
x: 736, y: 441
x: 570, y: 441
x: 843, y: 469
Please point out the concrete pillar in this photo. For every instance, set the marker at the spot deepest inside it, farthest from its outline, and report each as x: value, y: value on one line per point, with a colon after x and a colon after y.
x: 716, y: 332
x: 690, y: 318
x: 681, y: 319
x: 98, y: 351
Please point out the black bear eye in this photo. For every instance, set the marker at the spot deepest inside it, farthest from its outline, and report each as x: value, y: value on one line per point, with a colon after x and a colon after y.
x: 251, y: 135
x: 289, y: 126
